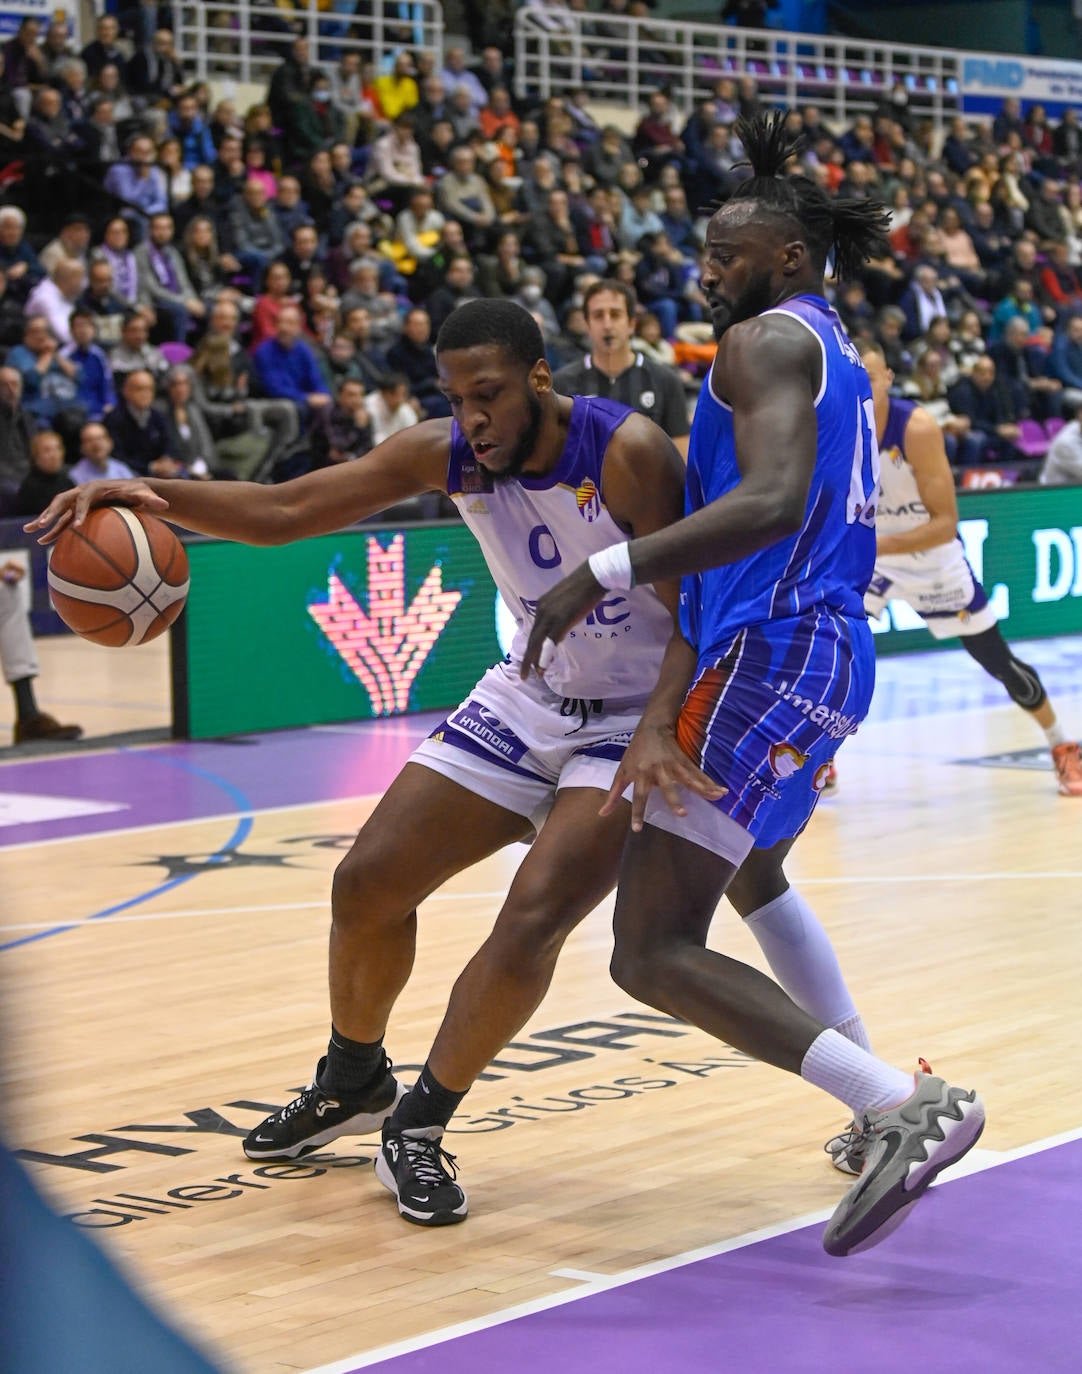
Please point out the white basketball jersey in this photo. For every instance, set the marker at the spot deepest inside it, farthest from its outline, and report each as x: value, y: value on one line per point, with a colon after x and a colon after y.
x: 900, y: 506
x: 533, y: 531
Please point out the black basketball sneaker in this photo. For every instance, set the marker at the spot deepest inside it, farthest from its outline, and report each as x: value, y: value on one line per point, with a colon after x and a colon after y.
x: 421, y: 1174
x: 317, y: 1117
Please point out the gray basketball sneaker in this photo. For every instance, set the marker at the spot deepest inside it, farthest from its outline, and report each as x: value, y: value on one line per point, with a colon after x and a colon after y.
x: 908, y: 1146
x: 849, y: 1150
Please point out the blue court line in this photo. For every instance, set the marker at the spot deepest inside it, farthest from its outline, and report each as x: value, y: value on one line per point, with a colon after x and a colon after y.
x: 239, y: 835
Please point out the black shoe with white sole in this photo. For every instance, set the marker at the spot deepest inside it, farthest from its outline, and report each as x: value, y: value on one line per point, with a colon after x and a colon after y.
x: 421, y: 1174
x: 318, y: 1116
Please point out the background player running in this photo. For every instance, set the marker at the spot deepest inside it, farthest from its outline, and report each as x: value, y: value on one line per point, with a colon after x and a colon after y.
x: 920, y: 559
x: 774, y: 665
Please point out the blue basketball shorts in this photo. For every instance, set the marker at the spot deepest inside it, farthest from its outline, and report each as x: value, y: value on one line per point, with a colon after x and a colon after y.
x: 766, y: 715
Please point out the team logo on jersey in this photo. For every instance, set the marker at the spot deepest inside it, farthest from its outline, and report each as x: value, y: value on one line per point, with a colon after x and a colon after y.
x: 647, y: 399
x: 785, y: 760
x: 473, y: 477
x: 588, y: 499
x: 895, y: 454
x: 819, y: 781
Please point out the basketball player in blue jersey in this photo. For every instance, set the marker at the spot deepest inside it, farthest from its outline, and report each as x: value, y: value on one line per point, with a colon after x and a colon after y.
x: 771, y: 669
x: 920, y: 558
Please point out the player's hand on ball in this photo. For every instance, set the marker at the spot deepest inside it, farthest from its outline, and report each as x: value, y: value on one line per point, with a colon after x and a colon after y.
x: 560, y: 608
x: 72, y: 507
x: 654, y: 759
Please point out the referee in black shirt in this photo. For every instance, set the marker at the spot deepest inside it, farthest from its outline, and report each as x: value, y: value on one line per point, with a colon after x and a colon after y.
x: 614, y: 370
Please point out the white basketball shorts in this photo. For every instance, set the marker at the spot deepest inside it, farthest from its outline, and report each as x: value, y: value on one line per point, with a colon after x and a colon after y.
x: 517, y: 743
x: 946, y: 595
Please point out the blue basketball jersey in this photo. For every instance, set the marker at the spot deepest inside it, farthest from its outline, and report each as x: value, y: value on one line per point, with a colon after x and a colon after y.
x: 829, y: 561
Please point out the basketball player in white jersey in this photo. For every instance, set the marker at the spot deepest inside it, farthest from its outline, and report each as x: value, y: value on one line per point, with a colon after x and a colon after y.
x: 920, y: 558
x: 544, y: 481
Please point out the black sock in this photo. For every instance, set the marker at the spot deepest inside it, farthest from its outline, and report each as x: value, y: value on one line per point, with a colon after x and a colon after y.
x: 26, y: 706
x: 428, y: 1103
x: 351, y: 1065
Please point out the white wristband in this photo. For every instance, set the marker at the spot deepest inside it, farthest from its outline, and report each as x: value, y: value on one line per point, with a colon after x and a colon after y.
x: 612, y: 567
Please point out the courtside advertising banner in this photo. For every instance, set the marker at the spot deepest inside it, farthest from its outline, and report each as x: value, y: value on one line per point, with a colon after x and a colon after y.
x: 378, y: 622
x: 367, y: 623
x: 987, y: 79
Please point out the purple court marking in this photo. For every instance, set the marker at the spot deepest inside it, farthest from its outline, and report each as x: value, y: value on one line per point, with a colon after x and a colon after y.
x: 287, y: 768
x: 984, y: 1276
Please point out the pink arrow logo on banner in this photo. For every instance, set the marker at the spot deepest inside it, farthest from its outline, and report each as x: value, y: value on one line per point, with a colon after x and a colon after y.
x: 386, y: 647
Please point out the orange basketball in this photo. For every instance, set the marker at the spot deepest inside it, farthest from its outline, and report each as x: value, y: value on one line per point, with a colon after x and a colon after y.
x: 121, y: 579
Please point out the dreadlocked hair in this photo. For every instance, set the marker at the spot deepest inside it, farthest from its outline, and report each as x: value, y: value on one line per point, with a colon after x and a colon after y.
x: 851, y: 230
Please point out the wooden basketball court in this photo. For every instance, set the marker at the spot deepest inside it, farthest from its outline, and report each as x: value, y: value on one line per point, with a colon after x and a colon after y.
x: 164, y: 943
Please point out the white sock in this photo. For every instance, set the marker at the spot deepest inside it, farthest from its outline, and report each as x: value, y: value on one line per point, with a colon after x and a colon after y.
x: 853, y: 1029
x: 854, y: 1076
x: 803, y: 961
x: 1054, y: 734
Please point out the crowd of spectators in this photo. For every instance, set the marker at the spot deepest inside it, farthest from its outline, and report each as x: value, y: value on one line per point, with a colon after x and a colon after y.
x: 195, y: 289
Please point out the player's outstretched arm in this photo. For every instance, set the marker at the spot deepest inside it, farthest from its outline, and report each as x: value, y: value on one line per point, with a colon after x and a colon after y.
x: 927, y: 456
x: 409, y: 463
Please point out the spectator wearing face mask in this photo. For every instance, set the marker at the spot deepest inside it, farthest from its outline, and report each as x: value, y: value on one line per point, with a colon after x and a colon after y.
x: 531, y: 296
x: 314, y: 123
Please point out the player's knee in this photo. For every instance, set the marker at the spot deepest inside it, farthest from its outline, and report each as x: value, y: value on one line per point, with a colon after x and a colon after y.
x: 1024, y: 686
x: 347, y: 887
x: 1021, y: 681
x: 533, y: 932
x: 634, y: 970
x: 754, y: 888
x: 366, y: 891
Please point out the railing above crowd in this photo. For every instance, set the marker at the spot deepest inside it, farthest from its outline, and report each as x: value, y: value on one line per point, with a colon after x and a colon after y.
x: 242, y: 40
x: 298, y: 171
x: 621, y: 60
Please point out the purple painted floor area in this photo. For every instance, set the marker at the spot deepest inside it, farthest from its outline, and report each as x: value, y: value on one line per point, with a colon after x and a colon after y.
x: 177, y: 782
x: 983, y: 1278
